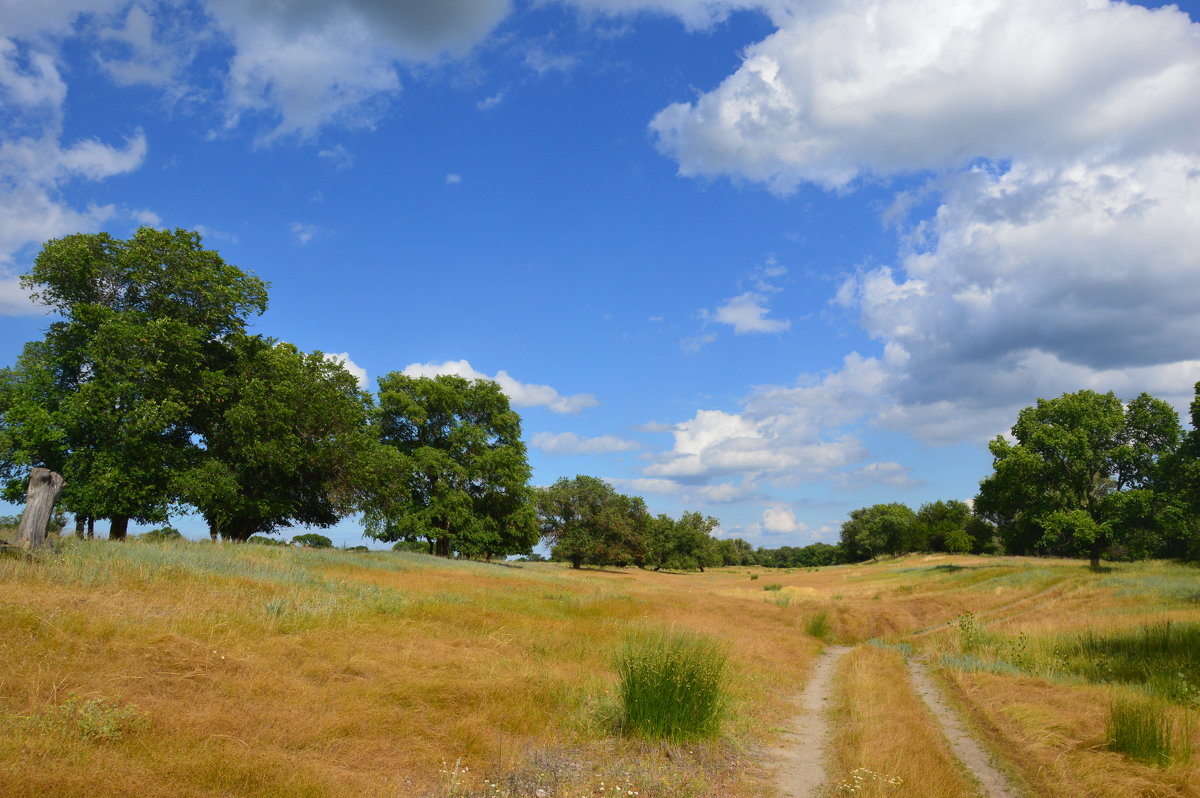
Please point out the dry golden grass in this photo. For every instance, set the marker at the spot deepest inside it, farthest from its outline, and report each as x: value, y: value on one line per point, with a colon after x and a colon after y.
x: 287, y: 673
x: 264, y: 671
x: 887, y: 742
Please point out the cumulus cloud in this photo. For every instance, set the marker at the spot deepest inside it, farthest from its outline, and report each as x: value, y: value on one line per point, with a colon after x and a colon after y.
x: 891, y: 474
x: 343, y: 360
x: 302, y: 232
x: 37, y: 166
x: 521, y: 394
x: 747, y: 313
x: 781, y: 520
x: 571, y: 443
x: 894, y: 86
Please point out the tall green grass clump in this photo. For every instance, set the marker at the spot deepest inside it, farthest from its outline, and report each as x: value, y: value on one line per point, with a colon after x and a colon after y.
x: 671, y: 686
x: 817, y: 625
x: 1144, y: 730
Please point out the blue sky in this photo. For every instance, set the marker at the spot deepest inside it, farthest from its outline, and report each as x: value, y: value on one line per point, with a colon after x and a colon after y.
x: 769, y: 260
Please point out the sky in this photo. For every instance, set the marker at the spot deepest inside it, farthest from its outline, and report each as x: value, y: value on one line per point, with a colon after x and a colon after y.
x: 769, y: 260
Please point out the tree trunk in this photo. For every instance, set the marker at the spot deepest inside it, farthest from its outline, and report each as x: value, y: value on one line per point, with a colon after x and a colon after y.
x: 91, y: 528
x: 1095, y: 553
x: 79, y: 522
x: 45, y: 486
x: 118, y: 527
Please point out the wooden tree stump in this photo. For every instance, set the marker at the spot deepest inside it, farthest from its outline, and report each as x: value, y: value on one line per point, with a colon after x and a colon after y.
x: 45, y: 486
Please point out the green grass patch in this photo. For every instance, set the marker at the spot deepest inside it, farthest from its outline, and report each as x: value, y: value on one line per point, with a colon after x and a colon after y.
x: 817, y: 625
x: 773, y: 586
x: 1144, y: 729
x: 672, y: 686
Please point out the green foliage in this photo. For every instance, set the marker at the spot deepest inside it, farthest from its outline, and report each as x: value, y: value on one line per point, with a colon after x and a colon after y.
x: 107, y: 399
x: 263, y: 540
x: 970, y: 631
x: 773, y: 586
x: 285, y: 441
x: 879, y: 529
x: 311, y: 540
x: 817, y: 625
x: 813, y: 555
x: 671, y: 686
x: 1163, y: 657
x: 161, y: 535
x: 1143, y: 730
x: 455, y: 471
x: 1084, y: 474
x: 93, y: 720
x: 587, y: 521
x: 683, y: 545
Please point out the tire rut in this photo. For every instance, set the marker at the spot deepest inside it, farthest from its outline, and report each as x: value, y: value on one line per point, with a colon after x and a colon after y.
x: 806, y: 742
x: 968, y: 751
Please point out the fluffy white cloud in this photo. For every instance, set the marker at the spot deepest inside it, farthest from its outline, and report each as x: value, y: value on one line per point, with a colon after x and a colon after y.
x: 520, y: 393
x: 309, y: 64
x: 892, y: 474
x: 343, y: 359
x: 891, y: 86
x: 36, y: 165
x: 570, y: 443
x: 781, y: 520
x: 747, y: 313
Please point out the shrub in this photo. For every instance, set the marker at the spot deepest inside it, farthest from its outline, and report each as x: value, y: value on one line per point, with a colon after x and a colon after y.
x: 772, y: 586
x: 1143, y: 730
x: 263, y: 540
x: 161, y: 534
x: 671, y: 686
x: 312, y: 540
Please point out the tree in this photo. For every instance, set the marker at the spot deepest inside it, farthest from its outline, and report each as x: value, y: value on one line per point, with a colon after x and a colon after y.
x: 284, y: 439
x: 683, y: 545
x: 735, y: 551
x: 942, y: 526
x: 1081, y: 475
x: 311, y: 540
x: 587, y: 521
x: 107, y: 396
x: 463, y: 477
x: 878, y: 529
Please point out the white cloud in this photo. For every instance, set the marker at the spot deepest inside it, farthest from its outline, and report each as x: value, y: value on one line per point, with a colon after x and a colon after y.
x: 781, y: 520
x: 343, y: 359
x: 303, y: 232
x: 521, y: 394
x: 747, y: 313
x: 306, y: 65
x: 36, y: 166
x: 570, y: 443
x: 453, y: 179
x: 891, y: 474
x: 338, y: 156
x: 488, y: 103
x: 894, y: 86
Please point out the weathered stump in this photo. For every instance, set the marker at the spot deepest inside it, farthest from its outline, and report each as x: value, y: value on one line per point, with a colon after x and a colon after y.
x: 45, y: 486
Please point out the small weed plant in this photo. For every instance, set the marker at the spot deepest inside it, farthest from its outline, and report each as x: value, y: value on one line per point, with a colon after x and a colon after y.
x: 93, y: 720
x: 671, y: 686
x: 970, y: 631
x: 1144, y: 730
x: 773, y: 586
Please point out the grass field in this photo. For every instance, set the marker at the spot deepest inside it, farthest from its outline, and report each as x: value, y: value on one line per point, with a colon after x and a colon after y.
x: 193, y: 669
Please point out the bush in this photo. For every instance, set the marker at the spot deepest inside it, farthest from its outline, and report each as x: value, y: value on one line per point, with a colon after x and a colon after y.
x: 312, y: 540
x: 671, y: 686
x: 773, y: 586
x: 263, y: 540
x: 161, y: 534
x: 1143, y: 730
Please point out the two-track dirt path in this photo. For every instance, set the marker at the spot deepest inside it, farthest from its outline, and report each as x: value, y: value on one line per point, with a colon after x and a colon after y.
x: 803, y: 755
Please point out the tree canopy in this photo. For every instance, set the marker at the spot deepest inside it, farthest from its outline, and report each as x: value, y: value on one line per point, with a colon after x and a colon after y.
x: 461, y: 478
x: 1081, y: 474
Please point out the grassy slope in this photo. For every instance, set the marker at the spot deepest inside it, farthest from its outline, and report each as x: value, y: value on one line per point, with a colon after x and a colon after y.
x: 267, y: 671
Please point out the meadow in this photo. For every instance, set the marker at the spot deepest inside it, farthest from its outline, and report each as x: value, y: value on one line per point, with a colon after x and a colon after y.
x: 195, y: 669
